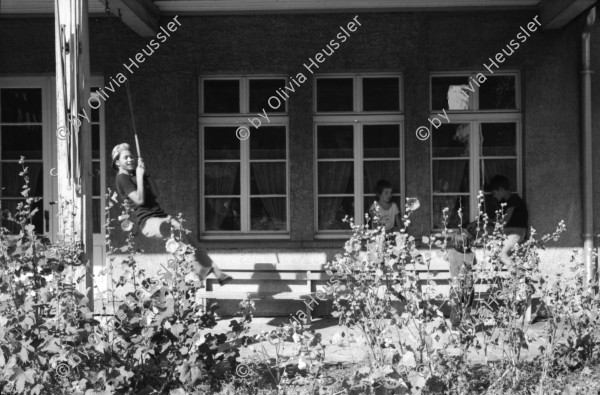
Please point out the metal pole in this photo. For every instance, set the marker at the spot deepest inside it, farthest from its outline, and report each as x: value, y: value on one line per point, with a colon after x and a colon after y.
x: 586, y: 141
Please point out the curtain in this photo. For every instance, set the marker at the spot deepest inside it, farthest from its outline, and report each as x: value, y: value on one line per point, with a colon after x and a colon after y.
x: 270, y: 180
x: 221, y: 181
x: 450, y: 176
x: 334, y: 177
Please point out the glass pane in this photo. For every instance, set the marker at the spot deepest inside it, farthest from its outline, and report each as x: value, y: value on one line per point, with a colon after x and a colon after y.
x: 221, y: 96
x: 20, y: 141
x: 503, y: 167
x: 335, y: 141
x: 96, y: 102
x: 12, y: 183
x: 335, y: 94
x: 222, y: 179
x: 222, y: 214
x: 267, y: 178
x: 96, y: 179
x: 98, y: 222
x: 95, y: 141
x: 268, y: 142
x: 381, y: 141
x: 268, y: 214
x: 450, y: 93
x: 370, y: 199
x: 498, y: 93
x: 221, y: 143
x: 332, y: 211
x: 378, y: 170
x: 499, y: 139
x: 10, y: 206
x: 260, y: 92
x: 381, y: 94
x: 450, y: 140
x: 21, y: 105
x: 336, y: 178
x: 453, y: 203
x: 450, y: 176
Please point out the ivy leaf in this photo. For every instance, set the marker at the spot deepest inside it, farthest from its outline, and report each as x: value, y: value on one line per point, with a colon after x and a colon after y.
x: 408, y: 360
x: 417, y: 382
x: 364, y: 370
x: 19, y: 377
x: 196, y: 374
x: 27, y: 322
x: 24, y: 355
x: 52, y: 346
x: 37, y: 390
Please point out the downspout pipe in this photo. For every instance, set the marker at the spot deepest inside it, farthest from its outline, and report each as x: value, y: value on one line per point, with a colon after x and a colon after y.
x: 586, y: 141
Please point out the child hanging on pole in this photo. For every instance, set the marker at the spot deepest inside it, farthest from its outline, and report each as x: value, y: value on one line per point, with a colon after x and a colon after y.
x: 136, y: 186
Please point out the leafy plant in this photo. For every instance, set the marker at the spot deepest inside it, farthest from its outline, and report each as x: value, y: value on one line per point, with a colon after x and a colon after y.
x: 158, y: 340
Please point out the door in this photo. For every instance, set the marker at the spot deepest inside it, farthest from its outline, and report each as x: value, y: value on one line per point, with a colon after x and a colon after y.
x: 27, y: 128
x: 25, y: 131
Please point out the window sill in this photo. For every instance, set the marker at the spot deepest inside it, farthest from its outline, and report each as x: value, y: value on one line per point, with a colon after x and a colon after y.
x: 268, y: 244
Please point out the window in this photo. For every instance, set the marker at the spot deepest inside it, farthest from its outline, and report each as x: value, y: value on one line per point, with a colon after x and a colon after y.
x: 481, y: 139
x: 21, y: 134
x: 27, y: 119
x: 98, y: 169
x: 358, y: 140
x: 244, y: 180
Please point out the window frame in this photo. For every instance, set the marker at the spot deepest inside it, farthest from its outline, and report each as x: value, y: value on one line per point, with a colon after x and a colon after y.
x: 475, y: 118
x: 358, y: 120
x: 47, y: 123
x: 237, y: 120
x: 47, y: 84
x: 98, y: 81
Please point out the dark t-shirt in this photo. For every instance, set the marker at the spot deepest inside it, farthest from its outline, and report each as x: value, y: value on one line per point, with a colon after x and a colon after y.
x: 519, y: 217
x: 127, y: 184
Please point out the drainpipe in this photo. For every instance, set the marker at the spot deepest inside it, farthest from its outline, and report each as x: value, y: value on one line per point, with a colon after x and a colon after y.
x: 586, y: 134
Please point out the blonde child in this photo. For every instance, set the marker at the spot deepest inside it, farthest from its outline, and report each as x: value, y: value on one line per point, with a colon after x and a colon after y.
x: 134, y: 185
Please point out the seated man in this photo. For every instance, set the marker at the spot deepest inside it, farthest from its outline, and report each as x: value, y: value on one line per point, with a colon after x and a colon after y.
x: 515, y: 221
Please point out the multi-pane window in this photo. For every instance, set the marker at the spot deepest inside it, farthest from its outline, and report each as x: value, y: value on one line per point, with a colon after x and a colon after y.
x: 244, y: 179
x: 480, y: 140
x: 27, y: 128
x: 97, y: 164
x: 21, y: 134
x: 358, y: 139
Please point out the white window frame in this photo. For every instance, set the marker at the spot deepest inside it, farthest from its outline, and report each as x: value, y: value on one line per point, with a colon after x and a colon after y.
x: 99, y: 238
x: 236, y: 120
x: 474, y: 118
x: 50, y: 193
x: 45, y: 84
x: 358, y: 119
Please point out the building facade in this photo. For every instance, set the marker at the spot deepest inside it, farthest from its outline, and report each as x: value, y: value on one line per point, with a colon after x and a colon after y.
x: 435, y: 101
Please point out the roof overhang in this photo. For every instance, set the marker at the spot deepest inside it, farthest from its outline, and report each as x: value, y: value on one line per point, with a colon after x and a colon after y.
x: 556, y: 14
x: 203, y: 7
x: 142, y: 15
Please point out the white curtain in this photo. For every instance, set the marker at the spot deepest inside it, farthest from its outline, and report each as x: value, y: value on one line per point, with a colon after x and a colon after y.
x: 334, y: 178
x: 270, y: 179
x: 223, y: 177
